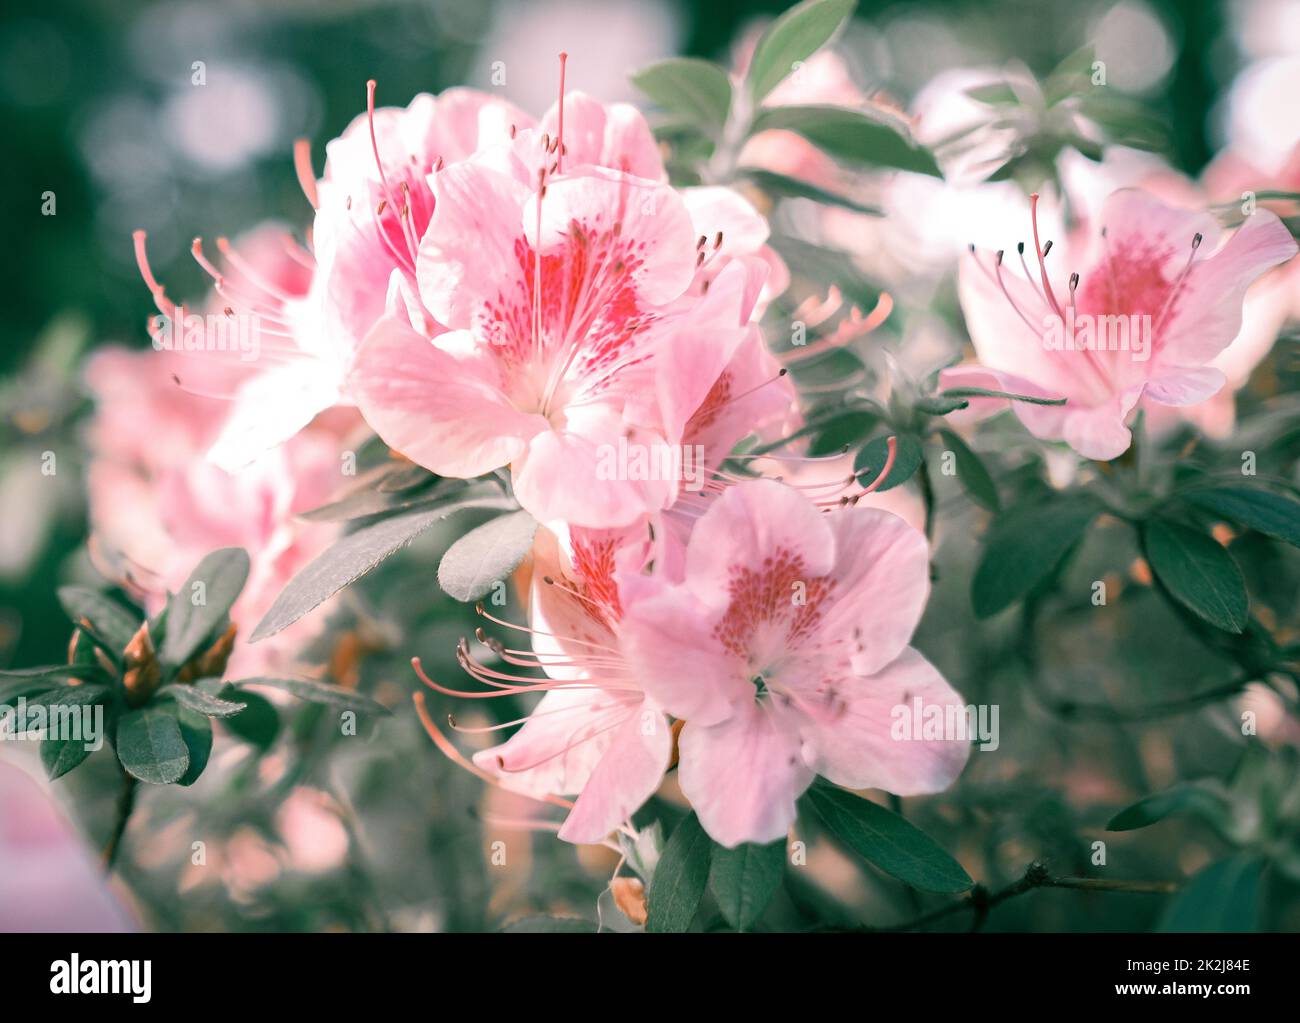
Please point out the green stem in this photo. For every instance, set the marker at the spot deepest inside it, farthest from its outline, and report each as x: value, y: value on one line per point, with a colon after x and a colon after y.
x: 125, y: 804
x: 980, y: 900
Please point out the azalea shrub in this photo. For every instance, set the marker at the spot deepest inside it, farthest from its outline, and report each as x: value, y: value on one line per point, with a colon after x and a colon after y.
x: 768, y: 506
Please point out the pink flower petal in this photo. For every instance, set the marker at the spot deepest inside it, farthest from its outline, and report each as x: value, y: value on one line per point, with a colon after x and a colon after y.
x: 743, y: 775
x: 441, y: 409
x: 859, y: 749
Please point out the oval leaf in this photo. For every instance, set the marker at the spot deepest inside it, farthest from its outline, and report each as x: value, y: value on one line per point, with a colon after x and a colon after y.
x: 680, y: 878
x: 1198, y: 573
x: 794, y: 37
x: 204, y: 703
x: 1223, y: 898
x: 744, y: 879
x: 1264, y: 512
x: 109, y: 618
x: 1024, y: 545
x: 887, y: 840
x: 972, y: 474
x: 486, y: 555
x: 908, y: 457
x: 698, y: 91
x: 150, y: 746
x: 867, y: 138
x: 318, y: 692
x: 59, y: 756
x: 344, y: 563
x: 217, y: 580
x: 1183, y: 798
x: 781, y: 186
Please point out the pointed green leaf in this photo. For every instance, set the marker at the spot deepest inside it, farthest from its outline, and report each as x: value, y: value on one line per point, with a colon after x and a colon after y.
x: 868, y: 138
x: 1223, y: 898
x: 196, y: 732
x: 884, y: 838
x: 110, y: 619
x: 346, y: 561
x: 908, y: 457
x: 317, y: 692
x: 1198, y: 572
x: 203, y: 604
x: 486, y: 555
x: 1187, y: 797
x: 696, y: 90
x: 972, y: 474
x: 1260, y: 510
x: 59, y: 756
x: 791, y: 39
x: 744, y: 879
x: 680, y: 878
x: 150, y: 746
x: 1024, y: 546
x: 204, y: 703
x: 782, y: 186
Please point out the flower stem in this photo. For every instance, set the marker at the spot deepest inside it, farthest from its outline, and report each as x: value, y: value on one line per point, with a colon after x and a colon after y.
x: 125, y: 804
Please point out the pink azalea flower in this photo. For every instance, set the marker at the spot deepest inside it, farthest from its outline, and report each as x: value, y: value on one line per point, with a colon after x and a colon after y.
x: 594, y: 734
x: 1166, y: 272
x: 314, y: 308
x: 561, y: 286
x: 157, y: 506
x: 785, y: 651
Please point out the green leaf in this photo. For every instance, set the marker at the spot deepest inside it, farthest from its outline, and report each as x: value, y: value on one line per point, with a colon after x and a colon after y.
x: 869, y: 138
x: 972, y: 474
x: 59, y: 756
x: 217, y: 580
x: 1223, y: 898
x: 887, y: 840
x: 317, y: 692
x: 783, y: 186
x: 375, y: 501
x: 1024, y: 546
x: 939, y: 405
x: 680, y: 878
x: 697, y: 90
x: 1198, y: 573
x: 72, y: 696
x: 196, y: 730
x: 794, y: 37
x: 151, y: 747
x: 29, y: 680
x: 258, y: 723
x: 486, y: 555
x: 984, y: 392
x: 344, y: 563
x: 908, y: 457
x: 1186, y: 797
x: 744, y: 879
x: 109, y: 618
x: 203, y: 703
x: 1260, y: 510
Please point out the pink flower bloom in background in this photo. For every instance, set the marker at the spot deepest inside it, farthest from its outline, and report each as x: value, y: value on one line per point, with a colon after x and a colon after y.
x: 51, y: 880
x: 1159, y: 296
x: 312, y: 308
x: 157, y: 506
x: 785, y: 651
x: 594, y: 733
x: 562, y: 298
x: 250, y: 343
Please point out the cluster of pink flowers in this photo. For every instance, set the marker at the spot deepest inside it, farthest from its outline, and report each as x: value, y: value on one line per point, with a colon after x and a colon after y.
x: 489, y: 293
